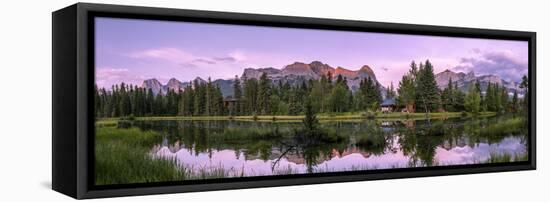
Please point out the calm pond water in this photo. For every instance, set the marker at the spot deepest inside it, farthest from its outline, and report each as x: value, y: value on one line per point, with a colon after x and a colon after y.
x: 247, y: 148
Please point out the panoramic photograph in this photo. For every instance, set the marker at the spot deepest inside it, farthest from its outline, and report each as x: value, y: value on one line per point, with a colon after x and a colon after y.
x: 177, y: 101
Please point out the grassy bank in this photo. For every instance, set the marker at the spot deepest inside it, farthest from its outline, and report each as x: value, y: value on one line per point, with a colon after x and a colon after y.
x: 320, y: 116
x: 122, y: 156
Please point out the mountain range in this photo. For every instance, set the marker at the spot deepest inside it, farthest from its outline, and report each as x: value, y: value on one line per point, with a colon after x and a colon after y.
x: 298, y: 72
x: 464, y: 80
x: 294, y: 73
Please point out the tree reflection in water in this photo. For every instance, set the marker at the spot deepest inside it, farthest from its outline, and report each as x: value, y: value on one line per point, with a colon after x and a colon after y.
x: 372, y: 144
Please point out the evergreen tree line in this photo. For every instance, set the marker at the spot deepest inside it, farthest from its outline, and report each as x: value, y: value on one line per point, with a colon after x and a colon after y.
x: 264, y: 97
x: 203, y: 99
x: 251, y: 97
x: 418, y: 92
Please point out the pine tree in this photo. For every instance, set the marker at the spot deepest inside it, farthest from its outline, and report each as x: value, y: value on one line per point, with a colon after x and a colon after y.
x: 458, y: 98
x: 251, y: 95
x: 310, y: 120
x: 339, y: 79
x: 150, y: 99
x: 324, y: 91
x: 338, y: 97
x: 276, y: 107
x: 515, y: 102
x: 208, y: 97
x: 490, y: 101
x: 407, y: 89
x: 497, y: 98
x: 473, y: 100
x: 369, y: 96
x: 350, y: 102
x: 482, y: 104
x: 264, y: 94
x: 427, y: 92
x: 124, y: 102
x: 131, y: 96
x: 189, y: 99
x: 170, y: 102
x: 447, y: 97
x: 390, y: 92
x: 504, y: 100
x: 105, y: 99
x: 158, y: 105
x: 199, y: 98
x: 478, y: 86
x: 97, y: 102
x: 182, y: 103
x: 317, y: 95
x: 376, y: 98
x: 237, y: 95
x: 406, y: 93
x: 525, y: 86
x: 294, y: 101
x: 413, y: 71
x: 217, y: 99
x: 329, y: 78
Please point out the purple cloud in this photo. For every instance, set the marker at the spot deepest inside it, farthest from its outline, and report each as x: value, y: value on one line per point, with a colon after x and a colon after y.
x: 107, y: 76
x: 167, y: 54
x: 184, y: 58
x: 205, y: 61
x: 226, y: 59
x: 188, y: 65
x: 503, y: 63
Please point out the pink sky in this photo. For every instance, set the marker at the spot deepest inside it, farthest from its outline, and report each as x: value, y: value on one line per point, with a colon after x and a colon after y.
x: 133, y: 50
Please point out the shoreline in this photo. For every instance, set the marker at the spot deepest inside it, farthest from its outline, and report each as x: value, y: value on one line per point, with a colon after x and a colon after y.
x: 292, y: 118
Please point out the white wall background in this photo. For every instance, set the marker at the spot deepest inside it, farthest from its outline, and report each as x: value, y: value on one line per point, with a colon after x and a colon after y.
x: 25, y: 102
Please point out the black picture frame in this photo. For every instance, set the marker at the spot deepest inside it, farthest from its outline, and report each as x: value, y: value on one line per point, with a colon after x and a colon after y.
x: 72, y: 98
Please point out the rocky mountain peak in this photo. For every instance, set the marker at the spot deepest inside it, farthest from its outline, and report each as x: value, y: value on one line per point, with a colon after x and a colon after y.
x: 199, y: 79
x: 297, y: 66
x: 470, y: 75
x: 299, y: 69
x: 173, y: 81
x: 464, y: 80
x: 366, y: 68
x: 320, y: 68
x: 316, y: 63
x: 345, y: 72
x: 293, y: 74
x: 174, y: 84
x: 152, y: 84
x: 366, y: 71
x: 250, y: 73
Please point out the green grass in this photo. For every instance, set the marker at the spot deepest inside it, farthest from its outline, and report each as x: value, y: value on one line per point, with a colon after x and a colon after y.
x: 107, y: 122
x: 122, y: 156
x: 293, y: 118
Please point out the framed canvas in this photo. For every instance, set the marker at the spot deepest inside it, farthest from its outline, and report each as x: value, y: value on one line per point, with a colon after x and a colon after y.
x: 155, y: 100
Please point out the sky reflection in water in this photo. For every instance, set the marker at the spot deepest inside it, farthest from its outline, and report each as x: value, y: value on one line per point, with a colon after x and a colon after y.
x: 453, y: 151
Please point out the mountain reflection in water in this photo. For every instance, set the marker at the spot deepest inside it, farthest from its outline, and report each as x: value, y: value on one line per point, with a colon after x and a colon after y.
x: 232, y: 146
